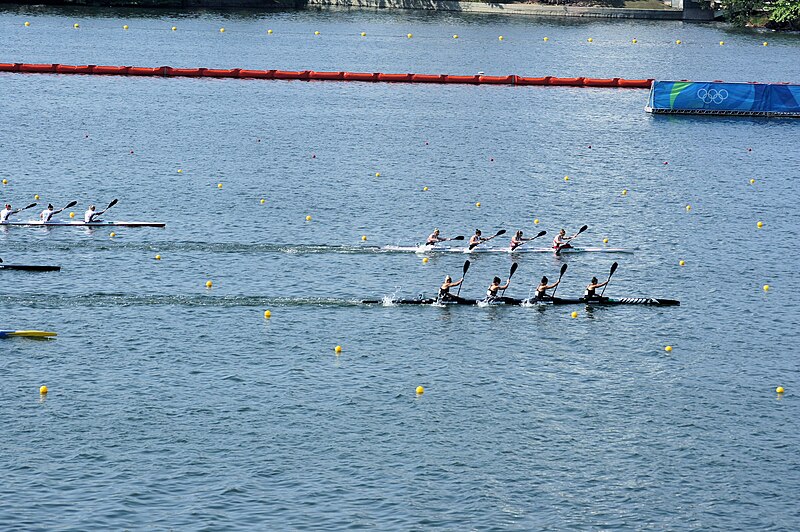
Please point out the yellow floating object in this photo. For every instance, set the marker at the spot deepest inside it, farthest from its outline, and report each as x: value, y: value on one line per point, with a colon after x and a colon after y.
x: 43, y: 390
x: 678, y: 41
x: 760, y: 225
x: 27, y: 334
x: 5, y: 181
x: 112, y: 234
x: 308, y: 218
x: 363, y: 33
x: 158, y: 257
x: 566, y: 178
x: 766, y: 288
x: 338, y: 349
x: 574, y: 314
x: 477, y: 203
x: 688, y: 208
x: 267, y: 314
x: 455, y: 36
x: 681, y: 263
x: 263, y: 201
x: 222, y: 30
x: 409, y: 35
x: 779, y: 389
x: 269, y: 32
x: 125, y: 27
x: 72, y: 215
x: 668, y: 349
x: 765, y: 43
x: 634, y: 41
x: 424, y: 189
x: 219, y: 185
x: 605, y: 241
x: 180, y: 171
x: 752, y: 181
x: 36, y: 196
x: 425, y: 260
x: 722, y: 43
x: 316, y: 33
x: 536, y: 221
x: 76, y: 25
x: 420, y: 390
x: 377, y: 174
x: 546, y: 39
x: 363, y: 238
x: 209, y: 284
x: 174, y: 28
x: 27, y: 23
x: 500, y: 38
x: 624, y: 191
x: 589, y: 39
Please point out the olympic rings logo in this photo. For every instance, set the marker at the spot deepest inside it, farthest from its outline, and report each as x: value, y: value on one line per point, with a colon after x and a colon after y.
x: 712, y: 95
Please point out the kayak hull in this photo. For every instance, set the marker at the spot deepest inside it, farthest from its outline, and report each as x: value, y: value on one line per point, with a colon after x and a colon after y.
x: 523, y: 249
x: 27, y: 334
x: 606, y: 301
x: 29, y: 268
x: 35, y: 223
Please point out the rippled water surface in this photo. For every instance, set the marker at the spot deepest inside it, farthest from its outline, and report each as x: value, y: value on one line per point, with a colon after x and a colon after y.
x: 173, y: 406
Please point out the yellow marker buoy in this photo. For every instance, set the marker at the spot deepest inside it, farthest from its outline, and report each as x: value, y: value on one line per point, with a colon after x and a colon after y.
x: 76, y: 25
x: 36, y: 196
x: 546, y: 39
x: 589, y: 39
x: 269, y: 32
x: 409, y: 35
x: 267, y: 314
x: 634, y: 41
x: 760, y: 225
x: 766, y: 288
x: 338, y: 349
x: 5, y: 181
x: 688, y: 208
x: 43, y: 390
x: 209, y: 284
x: 420, y: 390
x: 566, y: 178
x: 219, y: 185
x: 222, y: 30
x: 765, y: 43
x: 678, y: 41
x: 125, y: 27
x: 377, y: 174
x: 425, y: 260
x: 681, y: 263
x: 500, y: 38
x: 263, y: 201
x: 158, y: 257
x: 112, y: 234
x: 180, y: 171
x: 779, y: 389
x: 477, y: 203
x: 174, y: 28
x: 605, y: 241
x: 752, y: 181
x: 624, y: 191
x: 363, y: 238
x: 721, y: 43
x: 424, y: 189
x: 455, y: 36
x: 574, y: 314
x: 72, y: 215
x: 536, y: 221
x: 668, y: 349
x: 316, y: 33
x: 308, y: 218
x: 27, y: 23
x: 363, y: 33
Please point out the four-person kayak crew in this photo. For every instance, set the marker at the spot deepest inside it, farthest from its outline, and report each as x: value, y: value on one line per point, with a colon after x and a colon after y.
x: 444, y: 290
x: 541, y: 290
x: 590, y: 293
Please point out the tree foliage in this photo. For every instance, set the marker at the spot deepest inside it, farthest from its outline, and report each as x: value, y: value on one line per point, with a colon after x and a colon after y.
x: 739, y: 12
x: 785, y: 13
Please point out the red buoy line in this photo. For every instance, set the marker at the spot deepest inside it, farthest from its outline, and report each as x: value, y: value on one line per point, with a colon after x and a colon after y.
x: 307, y: 75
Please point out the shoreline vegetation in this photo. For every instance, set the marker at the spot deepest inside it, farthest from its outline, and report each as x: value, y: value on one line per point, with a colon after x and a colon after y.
x: 771, y: 14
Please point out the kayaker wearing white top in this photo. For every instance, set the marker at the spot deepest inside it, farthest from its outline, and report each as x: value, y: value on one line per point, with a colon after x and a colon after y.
x: 88, y: 216
x: 5, y: 213
x: 47, y: 213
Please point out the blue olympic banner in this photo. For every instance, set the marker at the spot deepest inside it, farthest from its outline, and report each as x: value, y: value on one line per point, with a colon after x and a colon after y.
x: 724, y: 98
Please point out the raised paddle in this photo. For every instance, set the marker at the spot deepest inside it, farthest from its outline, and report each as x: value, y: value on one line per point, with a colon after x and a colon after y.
x: 460, y: 237
x: 613, y: 269
x: 500, y: 232
x: 31, y: 206
x: 563, y: 270
x: 510, y: 275
x: 113, y: 202
x: 541, y: 233
x: 463, y: 274
x: 67, y: 206
x: 581, y: 230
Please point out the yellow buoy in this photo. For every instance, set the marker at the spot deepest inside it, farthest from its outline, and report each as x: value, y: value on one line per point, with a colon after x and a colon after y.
x: 76, y: 25
x: 316, y: 33
x: 681, y: 263
x: 219, y: 185
x: 634, y: 41
x: 222, y: 30
x: 174, y: 28
x: 209, y: 284
x: 420, y: 390
x: 668, y: 349
x: 180, y: 171
x: 72, y: 215
x: 624, y: 191
x: 27, y: 23
x: 308, y: 218
x: 5, y: 181
x: 760, y: 225
x: 112, y: 234
x: 688, y: 208
x: 409, y: 35
x: 425, y: 260
x: 566, y: 178
x: 363, y: 33
x: 267, y: 314
x: 605, y: 241
x: 765, y: 43
x: 43, y: 390
x: 125, y: 27
x: 721, y: 43
x: 158, y: 257
x: 536, y: 221
x: 779, y: 389
x: 752, y: 181
x: 766, y: 288
x: 263, y: 201
x: 363, y: 238
x: 269, y: 32
x: 36, y: 196
x: 574, y: 314
x: 546, y: 39
x: 455, y: 36
x: 590, y: 39
x: 424, y: 189
x: 500, y: 38
x: 338, y: 349
x: 678, y: 41
x: 377, y: 174
x: 477, y: 203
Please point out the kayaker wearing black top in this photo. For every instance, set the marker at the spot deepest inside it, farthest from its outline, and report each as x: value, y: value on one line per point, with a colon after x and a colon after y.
x: 434, y: 238
x: 491, y: 292
x: 476, y: 239
x: 444, y: 290
x: 590, y: 289
x: 541, y: 290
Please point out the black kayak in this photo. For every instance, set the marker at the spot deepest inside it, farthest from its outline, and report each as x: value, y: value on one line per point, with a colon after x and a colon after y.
x: 28, y: 268
x: 606, y: 301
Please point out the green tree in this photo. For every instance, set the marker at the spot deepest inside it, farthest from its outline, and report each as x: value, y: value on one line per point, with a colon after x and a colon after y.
x: 739, y: 12
x: 786, y: 13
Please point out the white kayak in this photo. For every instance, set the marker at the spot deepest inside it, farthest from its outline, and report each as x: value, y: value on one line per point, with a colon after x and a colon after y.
x: 38, y: 223
x: 506, y: 249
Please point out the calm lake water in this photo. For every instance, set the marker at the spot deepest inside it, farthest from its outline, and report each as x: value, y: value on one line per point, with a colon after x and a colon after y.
x: 173, y: 406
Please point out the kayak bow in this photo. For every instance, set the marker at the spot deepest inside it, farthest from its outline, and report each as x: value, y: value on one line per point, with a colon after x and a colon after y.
x: 27, y: 334
x: 29, y: 268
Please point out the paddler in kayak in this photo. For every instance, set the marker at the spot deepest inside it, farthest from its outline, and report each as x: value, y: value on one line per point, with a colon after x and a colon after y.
x: 561, y: 241
x: 541, y: 290
x: 476, y: 239
x: 434, y: 238
x: 590, y: 293
x: 7, y: 212
x: 491, y: 292
x: 517, y: 240
x: 444, y: 290
x: 91, y: 212
x: 47, y: 213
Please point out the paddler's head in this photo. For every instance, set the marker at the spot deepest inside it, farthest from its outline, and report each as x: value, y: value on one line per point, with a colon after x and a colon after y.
x: 91, y: 207
x: 477, y: 232
x: 518, y: 234
x: 544, y: 279
x: 447, y: 278
x: 562, y: 232
x: 594, y: 280
x: 8, y: 206
x: 436, y: 231
x: 496, y: 280
x: 50, y: 206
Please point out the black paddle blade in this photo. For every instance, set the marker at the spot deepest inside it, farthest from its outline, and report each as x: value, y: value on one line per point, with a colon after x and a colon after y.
x: 113, y: 202
x: 613, y: 269
x: 582, y: 229
x: 563, y: 270
x: 513, y: 269
x: 541, y: 233
x: 466, y: 267
x: 460, y: 237
x: 31, y: 206
x: 70, y: 204
x: 500, y: 232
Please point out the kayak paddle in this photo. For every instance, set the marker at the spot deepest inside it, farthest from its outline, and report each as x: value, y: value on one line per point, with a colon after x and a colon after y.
x: 460, y: 237
x: 567, y: 243
x: 31, y: 206
x: 113, y: 202
x: 541, y: 233
x: 510, y: 275
x: 500, y: 232
x: 613, y: 269
x: 67, y: 206
x: 563, y: 270
x: 463, y: 274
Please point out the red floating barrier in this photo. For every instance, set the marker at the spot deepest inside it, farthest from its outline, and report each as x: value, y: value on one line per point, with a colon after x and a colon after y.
x: 601, y: 82
x: 9, y: 67
x: 334, y: 76
x: 72, y: 69
x: 183, y: 72
x: 290, y: 74
x: 220, y: 73
x: 567, y: 82
x: 635, y: 83
x: 145, y: 71
x: 110, y: 70
x: 461, y: 79
x: 361, y: 76
x: 38, y: 68
x: 395, y: 77
x: 532, y: 81
x: 257, y: 74
x: 428, y: 78
x: 496, y: 80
